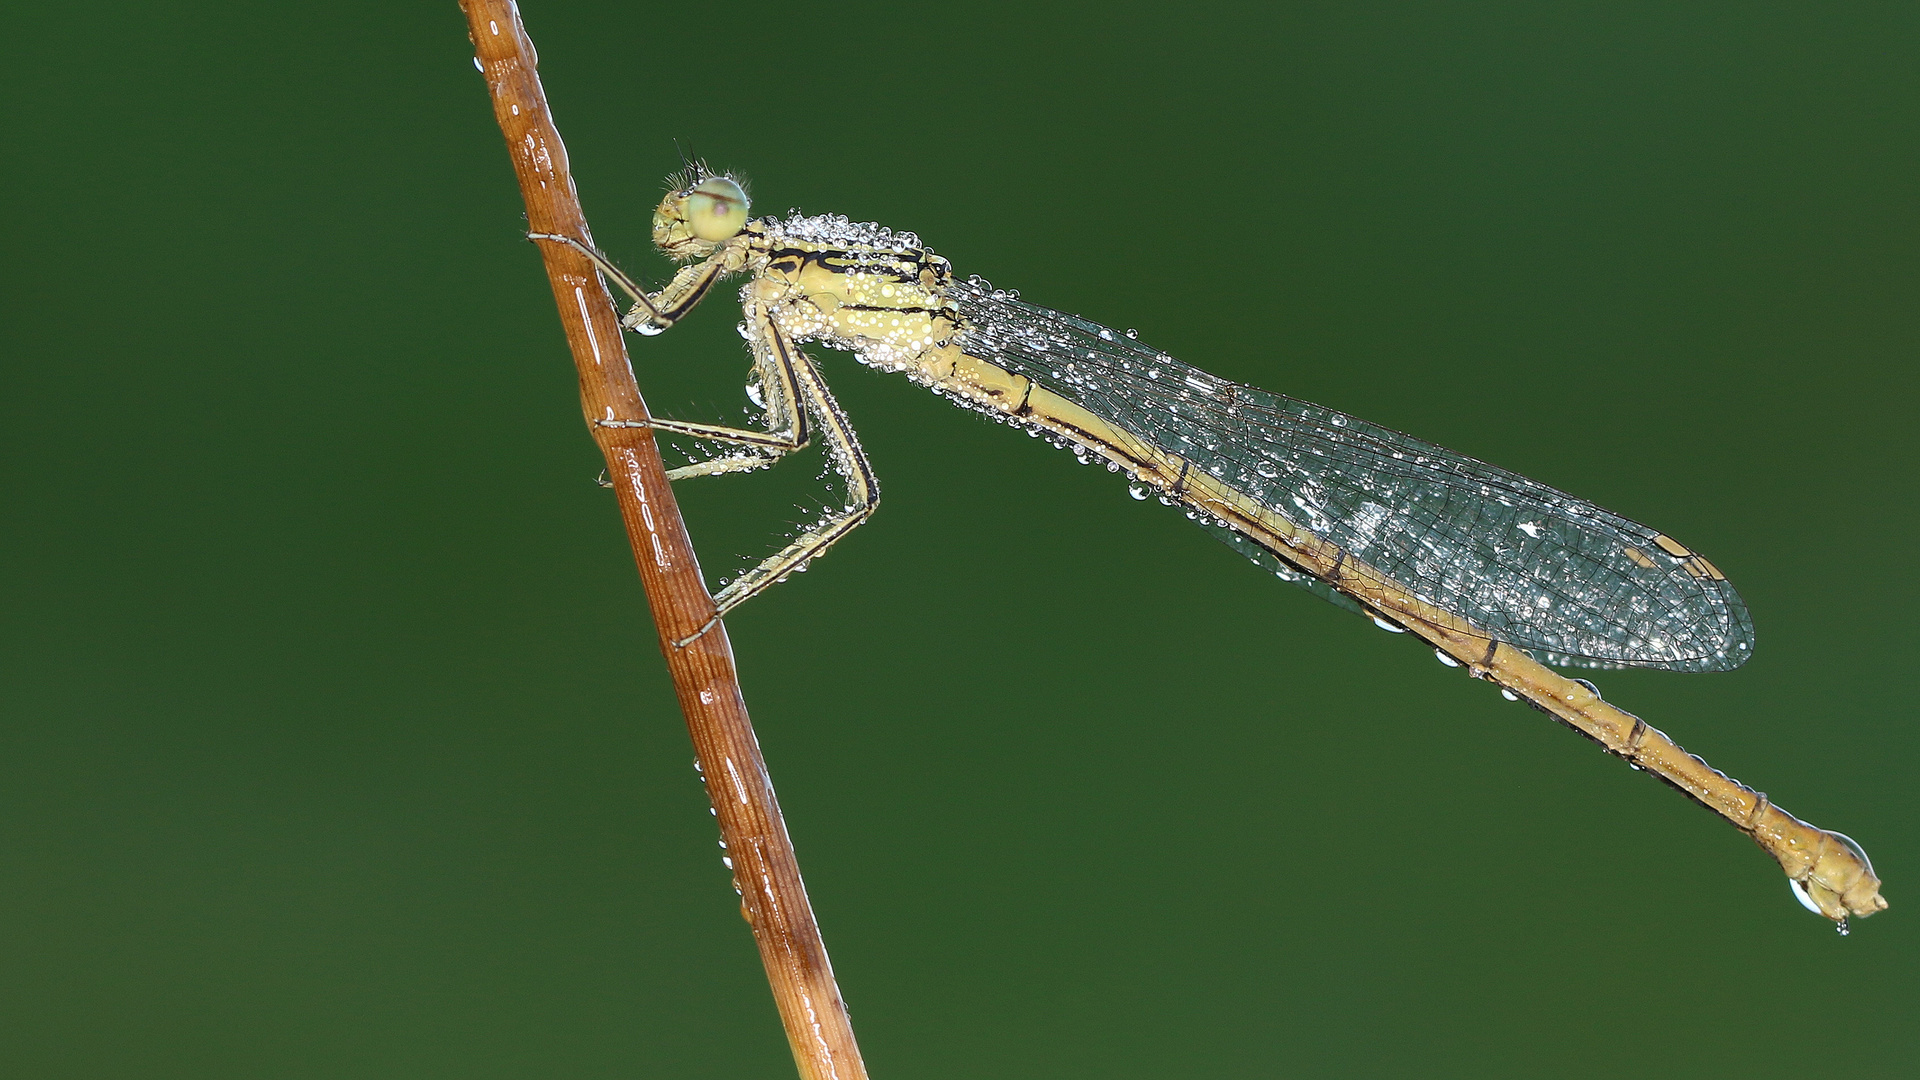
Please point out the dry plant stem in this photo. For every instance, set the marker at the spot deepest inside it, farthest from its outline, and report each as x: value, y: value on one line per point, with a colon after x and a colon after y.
x: 772, y: 897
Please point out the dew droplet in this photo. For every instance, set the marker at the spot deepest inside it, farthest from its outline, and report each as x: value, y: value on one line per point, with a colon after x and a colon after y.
x: 1445, y: 659
x: 1139, y: 490
x: 1508, y: 694
x: 1387, y: 626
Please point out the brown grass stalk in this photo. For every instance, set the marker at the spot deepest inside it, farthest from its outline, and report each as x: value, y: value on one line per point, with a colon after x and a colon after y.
x: 772, y: 897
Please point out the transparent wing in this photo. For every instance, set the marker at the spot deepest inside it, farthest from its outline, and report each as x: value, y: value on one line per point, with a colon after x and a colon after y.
x: 1526, y: 563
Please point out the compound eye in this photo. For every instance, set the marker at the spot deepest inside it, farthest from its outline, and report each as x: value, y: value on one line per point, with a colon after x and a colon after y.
x: 716, y: 209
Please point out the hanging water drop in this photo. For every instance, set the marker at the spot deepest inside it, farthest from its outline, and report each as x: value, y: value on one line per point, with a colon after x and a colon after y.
x: 1139, y: 490
x: 1445, y: 659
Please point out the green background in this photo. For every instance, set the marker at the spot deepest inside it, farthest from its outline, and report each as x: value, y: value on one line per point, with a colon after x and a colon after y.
x: 334, y: 741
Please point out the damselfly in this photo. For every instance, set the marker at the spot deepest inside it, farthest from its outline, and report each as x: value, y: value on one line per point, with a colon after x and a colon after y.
x: 1501, y: 575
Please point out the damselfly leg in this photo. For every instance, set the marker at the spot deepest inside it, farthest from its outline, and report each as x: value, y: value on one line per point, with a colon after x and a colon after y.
x: 795, y: 402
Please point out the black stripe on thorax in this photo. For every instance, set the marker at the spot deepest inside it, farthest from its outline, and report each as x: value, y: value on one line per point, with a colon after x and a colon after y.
x: 901, y: 310
x: 907, y: 268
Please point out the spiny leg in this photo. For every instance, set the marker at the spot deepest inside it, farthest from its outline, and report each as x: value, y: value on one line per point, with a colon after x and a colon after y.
x: 654, y: 312
x: 843, y: 451
x: 796, y: 388
x: 767, y: 446
x: 787, y: 428
x: 610, y: 272
x: 651, y: 315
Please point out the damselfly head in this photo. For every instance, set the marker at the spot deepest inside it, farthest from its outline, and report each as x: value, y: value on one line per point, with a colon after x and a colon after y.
x: 702, y: 211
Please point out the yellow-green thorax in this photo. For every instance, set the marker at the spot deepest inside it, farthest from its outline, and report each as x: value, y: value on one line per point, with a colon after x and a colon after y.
x: 853, y: 286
